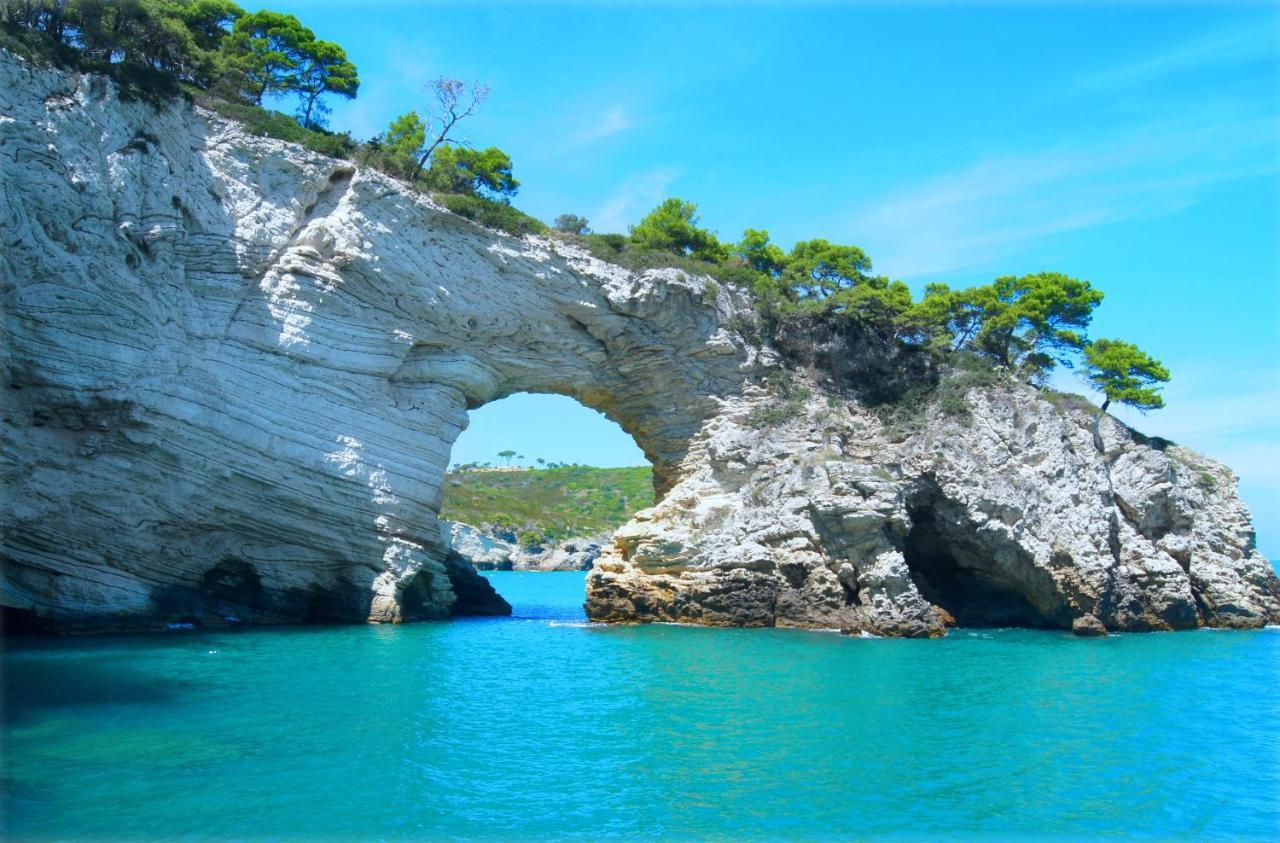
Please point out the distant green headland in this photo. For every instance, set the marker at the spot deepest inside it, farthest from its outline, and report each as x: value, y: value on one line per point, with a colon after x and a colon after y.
x: 548, y: 504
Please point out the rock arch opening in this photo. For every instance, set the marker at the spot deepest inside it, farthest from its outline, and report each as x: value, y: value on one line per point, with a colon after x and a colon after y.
x: 539, y: 482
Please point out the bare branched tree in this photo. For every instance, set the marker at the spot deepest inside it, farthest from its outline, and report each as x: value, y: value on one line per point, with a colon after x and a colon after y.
x: 455, y: 100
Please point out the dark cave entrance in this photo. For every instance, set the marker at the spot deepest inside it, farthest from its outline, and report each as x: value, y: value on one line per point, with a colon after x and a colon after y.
x: 969, y: 579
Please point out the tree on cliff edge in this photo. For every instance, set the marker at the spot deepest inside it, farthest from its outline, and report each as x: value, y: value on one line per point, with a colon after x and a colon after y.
x: 263, y: 51
x: 673, y: 227
x: 322, y: 69
x: 484, y: 172
x: 1124, y: 373
x: 273, y: 53
x: 418, y: 137
x: 572, y: 224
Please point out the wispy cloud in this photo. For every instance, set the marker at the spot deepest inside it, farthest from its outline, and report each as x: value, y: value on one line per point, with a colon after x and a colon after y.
x: 610, y: 123
x: 980, y: 213
x: 634, y: 197
x: 1221, y: 48
x: 1166, y: 157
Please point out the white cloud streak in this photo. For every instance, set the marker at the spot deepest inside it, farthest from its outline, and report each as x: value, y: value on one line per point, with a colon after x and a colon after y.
x: 610, y: 123
x: 637, y: 195
x: 1221, y: 48
x: 1156, y: 165
x: 980, y: 213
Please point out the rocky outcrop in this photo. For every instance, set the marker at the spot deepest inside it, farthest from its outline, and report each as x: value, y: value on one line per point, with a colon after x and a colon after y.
x: 575, y: 554
x: 233, y: 371
x: 488, y: 552
x: 1005, y: 514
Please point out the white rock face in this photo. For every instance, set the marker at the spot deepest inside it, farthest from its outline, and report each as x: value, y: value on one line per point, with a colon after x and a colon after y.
x: 485, y: 552
x: 1009, y: 514
x: 233, y: 371
x: 574, y: 554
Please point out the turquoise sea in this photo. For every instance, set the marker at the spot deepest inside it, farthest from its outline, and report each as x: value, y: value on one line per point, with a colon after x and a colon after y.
x: 541, y: 725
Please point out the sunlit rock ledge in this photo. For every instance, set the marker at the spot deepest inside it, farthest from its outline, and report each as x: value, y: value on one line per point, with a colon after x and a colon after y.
x: 234, y: 370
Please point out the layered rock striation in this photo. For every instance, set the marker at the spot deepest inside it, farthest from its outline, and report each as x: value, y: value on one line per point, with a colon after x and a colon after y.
x: 233, y: 371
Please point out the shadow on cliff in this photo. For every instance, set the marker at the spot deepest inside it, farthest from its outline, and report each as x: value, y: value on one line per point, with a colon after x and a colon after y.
x: 978, y: 578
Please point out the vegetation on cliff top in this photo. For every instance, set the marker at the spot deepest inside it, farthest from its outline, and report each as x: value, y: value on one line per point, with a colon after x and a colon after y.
x: 231, y: 62
x: 820, y: 303
x: 547, y: 504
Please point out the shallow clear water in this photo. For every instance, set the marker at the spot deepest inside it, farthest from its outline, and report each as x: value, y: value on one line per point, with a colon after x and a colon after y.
x: 540, y: 725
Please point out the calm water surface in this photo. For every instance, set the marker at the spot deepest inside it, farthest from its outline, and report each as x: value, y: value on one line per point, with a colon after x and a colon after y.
x: 541, y: 725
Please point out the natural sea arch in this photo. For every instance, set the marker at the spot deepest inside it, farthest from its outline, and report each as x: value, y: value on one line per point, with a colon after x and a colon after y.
x: 414, y: 598
x: 543, y: 462
x: 237, y: 380
x: 235, y: 370
x: 652, y: 354
x: 465, y: 318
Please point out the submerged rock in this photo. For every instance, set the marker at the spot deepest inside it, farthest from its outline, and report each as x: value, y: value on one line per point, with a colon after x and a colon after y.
x: 1087, y: 626
x: 233, y: 371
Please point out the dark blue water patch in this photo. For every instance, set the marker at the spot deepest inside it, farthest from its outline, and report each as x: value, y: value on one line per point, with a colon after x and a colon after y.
x: 542, y: 725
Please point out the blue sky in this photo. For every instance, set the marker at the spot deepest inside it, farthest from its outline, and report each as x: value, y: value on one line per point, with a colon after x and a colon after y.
x: 1133, y: 144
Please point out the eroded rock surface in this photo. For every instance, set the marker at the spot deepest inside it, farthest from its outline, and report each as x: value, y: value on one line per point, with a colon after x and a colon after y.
x: 1007, y: 514
x: 233, y: 371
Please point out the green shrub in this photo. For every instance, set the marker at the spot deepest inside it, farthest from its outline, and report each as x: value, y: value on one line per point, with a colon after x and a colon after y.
x: 491, y: 214
x: 710, y: 293
x: 964, y: 370
x: 556, y: 503
x: 906, y: 414
x: 776, y: 414
x: 790, y: 403
x: 532, y: 539
x: 621, y: 250
x: 747, y: 327
x: 272, y: 124
x: 1068, y: 401
x: 605, y: 246
x: 673, y: 228
x: 953, y: 401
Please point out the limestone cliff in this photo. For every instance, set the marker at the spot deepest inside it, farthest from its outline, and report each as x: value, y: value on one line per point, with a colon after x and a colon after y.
x: 1006, y: 514
x: 233, y: 371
